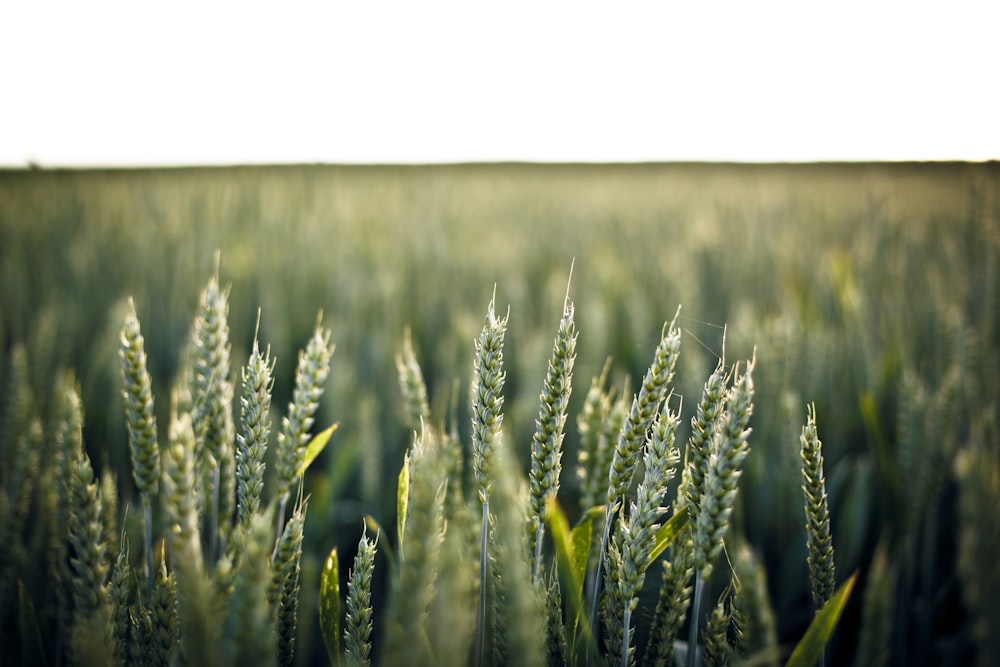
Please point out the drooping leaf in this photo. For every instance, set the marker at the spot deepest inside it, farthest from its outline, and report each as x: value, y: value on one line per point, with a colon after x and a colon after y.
x: 316, y: 446
x: 810, y: 648
x: 329, y: 606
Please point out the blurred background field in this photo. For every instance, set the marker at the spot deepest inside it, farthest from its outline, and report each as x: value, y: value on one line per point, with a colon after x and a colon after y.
x: 869, y: 289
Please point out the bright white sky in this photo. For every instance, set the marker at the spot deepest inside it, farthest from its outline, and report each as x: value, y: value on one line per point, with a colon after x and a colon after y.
x: 133, y: 83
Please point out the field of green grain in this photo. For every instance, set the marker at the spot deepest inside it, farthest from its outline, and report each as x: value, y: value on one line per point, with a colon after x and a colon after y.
x: 871, y: 291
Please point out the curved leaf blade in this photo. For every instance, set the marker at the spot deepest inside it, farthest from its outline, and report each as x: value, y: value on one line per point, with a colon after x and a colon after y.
x: 329, y: 606
x: 316, y: 446
x: 810, y: 648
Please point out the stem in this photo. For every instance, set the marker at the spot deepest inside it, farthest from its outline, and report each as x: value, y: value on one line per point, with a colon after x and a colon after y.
x: 483, y: 573
x: 214, y: 519
x: 540, y: 533
x: 626, y: 622
x: 280, y: 528
x: 597, y: 578
x: 695, y: 611
x: 147, y: 511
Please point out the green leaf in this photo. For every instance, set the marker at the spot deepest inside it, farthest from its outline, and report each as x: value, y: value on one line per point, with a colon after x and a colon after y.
x: 667, y: 533
x: 572, y: 552
x: 581, y: 536
x: 329, y: 606
x: 32, y: 649
x: 315, y: 446
x: 810, y: 648
x: 402, y: 500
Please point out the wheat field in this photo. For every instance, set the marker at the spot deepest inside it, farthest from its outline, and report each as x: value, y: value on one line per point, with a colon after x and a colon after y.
x: 734, y: 335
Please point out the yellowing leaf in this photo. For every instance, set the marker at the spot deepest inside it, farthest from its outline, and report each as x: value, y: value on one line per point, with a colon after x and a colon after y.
x: 315, y: 446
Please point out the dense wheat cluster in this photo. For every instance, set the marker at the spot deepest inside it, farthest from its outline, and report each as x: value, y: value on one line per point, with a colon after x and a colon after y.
x: 794, y: 468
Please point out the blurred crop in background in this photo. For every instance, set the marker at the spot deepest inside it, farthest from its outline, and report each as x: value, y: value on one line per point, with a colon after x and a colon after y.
x: 870, y: 289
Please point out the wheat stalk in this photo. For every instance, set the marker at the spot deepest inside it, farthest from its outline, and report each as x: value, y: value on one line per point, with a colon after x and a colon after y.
x: 406, y: 639
x: 633, y: 436
x: 211, y: 414
x: 714, y: 640
x: 728, y: 449
x: 310, y: 375
x: 285, y: 586
x: 594, y: 455
x: 251, y: 443
x: 487, y: 419
x: 411, y: 380
x: 637, y: 531
x: 546, y: 443
x: 251, y: 622
x: 91, y: 641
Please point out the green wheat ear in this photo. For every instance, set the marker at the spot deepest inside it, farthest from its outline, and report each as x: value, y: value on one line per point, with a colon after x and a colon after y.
x: 211, y: 414
x: 640, y: 418
x: 487, y: 419
x: 310, y: 375
x: 411, y: 382
x: 358, y: 624
x: 819, y: 541
x: 546, y: 443
x: 91, y: 641
x: 140, y: 418
x: 251, y: 443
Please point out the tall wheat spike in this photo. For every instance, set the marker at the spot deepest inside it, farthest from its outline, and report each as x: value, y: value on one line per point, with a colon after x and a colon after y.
x: 310, y: 375
x: 412, y: 590
x: 487, y: 419
x: 633, y: 436
x: 285, y: 585
x: 251, y: 622
x: 636, y: 534
x: 819, y: 540
x: 411, y: 380
x: 251, y: 443
x: 358, y: 624
x: 546, y: 443
x: 91, y: 641
x: 593, y: 459
x: 729, y: 447
x: 140, y: 417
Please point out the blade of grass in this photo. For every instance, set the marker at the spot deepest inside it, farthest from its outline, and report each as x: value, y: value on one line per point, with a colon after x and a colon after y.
x: 316, y: 447
x: 810, y: 648
x: 667, y: 533
x: 568, y: 547
x: 329, y: 606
